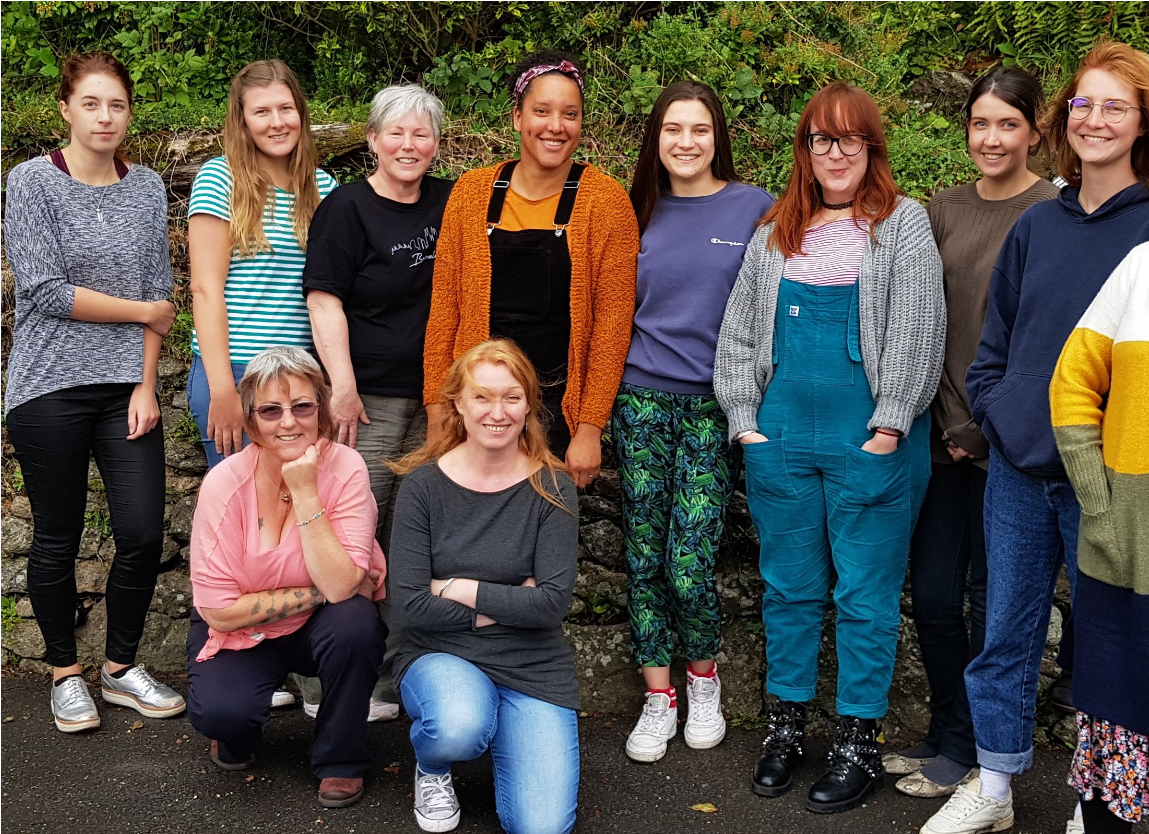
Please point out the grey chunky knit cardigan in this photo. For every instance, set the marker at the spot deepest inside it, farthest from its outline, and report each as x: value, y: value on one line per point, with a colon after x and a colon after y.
x: 901, y: 316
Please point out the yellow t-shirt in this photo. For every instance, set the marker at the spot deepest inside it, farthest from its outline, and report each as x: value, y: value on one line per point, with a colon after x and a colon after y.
x: 519, y: 213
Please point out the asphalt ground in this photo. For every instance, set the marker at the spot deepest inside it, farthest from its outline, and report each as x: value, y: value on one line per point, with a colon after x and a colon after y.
x: 141, y: 775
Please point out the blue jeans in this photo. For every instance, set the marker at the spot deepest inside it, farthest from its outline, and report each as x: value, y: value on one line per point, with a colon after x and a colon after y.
x: 1030, y: 530
x: 199, y: 398
x: 457, y: 714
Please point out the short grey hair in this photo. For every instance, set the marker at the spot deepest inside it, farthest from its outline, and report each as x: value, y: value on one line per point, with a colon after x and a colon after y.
x: 276, y: 364
x: 393, y: 103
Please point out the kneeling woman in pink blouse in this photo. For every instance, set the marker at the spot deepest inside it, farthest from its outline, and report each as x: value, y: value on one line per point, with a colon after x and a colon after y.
x: 284, y: 566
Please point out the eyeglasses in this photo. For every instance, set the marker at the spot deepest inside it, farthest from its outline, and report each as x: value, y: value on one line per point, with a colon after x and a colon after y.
x: 1112, y: 111
x: 820, y: 144
x: 301, y: 411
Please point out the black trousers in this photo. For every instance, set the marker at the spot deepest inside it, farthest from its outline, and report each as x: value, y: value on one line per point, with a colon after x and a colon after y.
x: 342, y: 644
x: 947, y: 564
x: 54, y: 435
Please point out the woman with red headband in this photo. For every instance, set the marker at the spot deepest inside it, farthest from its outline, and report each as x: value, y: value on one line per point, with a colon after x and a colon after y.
x: 543, y: 251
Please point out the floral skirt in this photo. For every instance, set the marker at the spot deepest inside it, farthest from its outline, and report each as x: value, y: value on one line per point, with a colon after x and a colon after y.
x: 1112, y: 763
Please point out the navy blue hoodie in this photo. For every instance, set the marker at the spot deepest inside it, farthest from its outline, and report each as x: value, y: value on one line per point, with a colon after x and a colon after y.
x: 1052, y: 264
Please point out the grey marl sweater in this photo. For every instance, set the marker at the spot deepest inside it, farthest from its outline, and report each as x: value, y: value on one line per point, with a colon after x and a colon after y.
x: 901, y: 316
x: 55, y: 241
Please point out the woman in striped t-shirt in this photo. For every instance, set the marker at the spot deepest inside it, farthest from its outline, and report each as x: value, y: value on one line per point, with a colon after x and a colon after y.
x: 247, y: 231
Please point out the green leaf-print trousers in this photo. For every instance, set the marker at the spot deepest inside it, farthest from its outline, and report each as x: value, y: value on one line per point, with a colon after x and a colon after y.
x: 677, y: 471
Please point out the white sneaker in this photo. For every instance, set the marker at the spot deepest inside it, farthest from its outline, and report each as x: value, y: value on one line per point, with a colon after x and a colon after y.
x: 436, y: 806
x: 656, y: 726
x: 705, y: 726
x: 376, y: 711
x: 382, y: 711
x: 281, y: 698
x: 1077, y: 824
x: 968, y: 812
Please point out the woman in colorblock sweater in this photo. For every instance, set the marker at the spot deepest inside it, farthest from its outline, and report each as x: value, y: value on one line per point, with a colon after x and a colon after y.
x: 1099, y: 400
x: 540, y: 250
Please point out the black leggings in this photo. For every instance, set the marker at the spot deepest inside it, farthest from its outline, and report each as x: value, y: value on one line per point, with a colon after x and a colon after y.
x: 54, y: 435
x: 1100, y: 820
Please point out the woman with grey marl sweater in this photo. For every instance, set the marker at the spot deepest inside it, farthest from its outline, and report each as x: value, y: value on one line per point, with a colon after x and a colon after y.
x: 86, y: 236
x: 828, y: 358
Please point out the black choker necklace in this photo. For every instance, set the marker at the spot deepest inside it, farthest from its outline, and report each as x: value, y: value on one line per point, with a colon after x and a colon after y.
x: 837, y: 206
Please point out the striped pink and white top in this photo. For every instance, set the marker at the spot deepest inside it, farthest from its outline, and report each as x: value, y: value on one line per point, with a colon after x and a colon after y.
x: 834, y: 254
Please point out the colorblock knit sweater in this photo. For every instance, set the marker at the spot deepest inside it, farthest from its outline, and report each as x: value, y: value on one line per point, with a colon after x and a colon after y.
x: 901, y: 316
x: 603, y: 241
x: 1099, y: 401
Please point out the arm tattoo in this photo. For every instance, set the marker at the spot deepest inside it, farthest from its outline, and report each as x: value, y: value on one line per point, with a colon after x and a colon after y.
x: 299, y: 594
x: 261, y: 524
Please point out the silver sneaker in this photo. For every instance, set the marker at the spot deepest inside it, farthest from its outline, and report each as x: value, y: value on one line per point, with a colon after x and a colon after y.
x: 72, y: 707
x: 436, y: 806
x: 143, y: 693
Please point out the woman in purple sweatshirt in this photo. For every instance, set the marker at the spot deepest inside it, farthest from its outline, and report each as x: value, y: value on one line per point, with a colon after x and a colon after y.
x: 670, y: 434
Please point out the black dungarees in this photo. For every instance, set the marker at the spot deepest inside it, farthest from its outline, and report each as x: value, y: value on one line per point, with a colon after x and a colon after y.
x: 530, y: 294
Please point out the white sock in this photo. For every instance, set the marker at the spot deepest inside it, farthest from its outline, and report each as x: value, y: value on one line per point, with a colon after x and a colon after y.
x: 995, y: 784
x: 1077, y: 812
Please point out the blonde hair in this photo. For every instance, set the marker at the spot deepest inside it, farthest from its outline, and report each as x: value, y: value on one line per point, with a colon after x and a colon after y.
x: 1131, y: 66
x: 277, y: 364
x: 252, y: 191
x: 532, y: 440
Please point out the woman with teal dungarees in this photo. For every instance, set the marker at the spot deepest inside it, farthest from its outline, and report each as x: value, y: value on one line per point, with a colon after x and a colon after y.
x: 828, y: 358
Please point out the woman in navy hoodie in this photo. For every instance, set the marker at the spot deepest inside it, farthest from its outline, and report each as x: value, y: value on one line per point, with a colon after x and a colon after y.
x: 1052, y: 264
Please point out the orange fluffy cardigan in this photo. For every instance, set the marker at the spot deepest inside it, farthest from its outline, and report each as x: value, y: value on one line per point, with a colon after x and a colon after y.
x: 603, y: 241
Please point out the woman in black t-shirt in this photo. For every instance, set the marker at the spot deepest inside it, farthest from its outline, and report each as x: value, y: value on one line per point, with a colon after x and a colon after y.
x: 370, y: 256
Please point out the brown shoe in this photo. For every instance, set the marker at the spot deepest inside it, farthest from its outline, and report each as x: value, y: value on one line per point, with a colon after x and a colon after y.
x: 222, y: 765
x: 339, y: 792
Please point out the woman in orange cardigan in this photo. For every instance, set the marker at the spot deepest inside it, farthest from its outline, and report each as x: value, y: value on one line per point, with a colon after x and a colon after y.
x: 543, y: 251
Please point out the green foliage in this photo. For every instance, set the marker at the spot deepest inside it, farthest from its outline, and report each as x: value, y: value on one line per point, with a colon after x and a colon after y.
x: 185, y: 429
x: 1051, y: 37
x: 9, y: 619
x: 764, y: 59
x: 100, y: 521
x: 17, y: 479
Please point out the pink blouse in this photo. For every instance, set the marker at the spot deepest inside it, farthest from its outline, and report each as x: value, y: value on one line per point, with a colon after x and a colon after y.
x: 228, y: 560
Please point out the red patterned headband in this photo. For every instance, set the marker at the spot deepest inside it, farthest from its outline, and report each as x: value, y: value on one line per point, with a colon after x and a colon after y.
x: 565, y: 67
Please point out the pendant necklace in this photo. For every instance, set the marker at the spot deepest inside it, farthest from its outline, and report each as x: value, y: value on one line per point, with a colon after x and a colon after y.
x: 285, y: 497
x: 99, y: 204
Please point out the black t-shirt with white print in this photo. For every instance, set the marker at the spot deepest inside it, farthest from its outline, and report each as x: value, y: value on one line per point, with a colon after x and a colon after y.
x: 378, y: 256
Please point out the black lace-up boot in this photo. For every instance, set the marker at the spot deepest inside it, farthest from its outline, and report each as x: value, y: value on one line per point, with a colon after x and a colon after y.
x: 854, y: 768
x: 781, y: 750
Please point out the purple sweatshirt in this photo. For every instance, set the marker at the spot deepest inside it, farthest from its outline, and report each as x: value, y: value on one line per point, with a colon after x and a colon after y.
x: 691, y: 253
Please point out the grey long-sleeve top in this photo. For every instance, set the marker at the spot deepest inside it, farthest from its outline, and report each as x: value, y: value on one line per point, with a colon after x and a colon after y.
x: 901, y: 316
x: 445, y: 530
x: 55, y: 241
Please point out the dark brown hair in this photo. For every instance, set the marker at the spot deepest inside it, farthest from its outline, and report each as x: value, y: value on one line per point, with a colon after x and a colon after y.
x: 1017, y: 88
x: 838, y: 109
x: 1131, y: 66
x: 651, y: 180
x: 78, y: 67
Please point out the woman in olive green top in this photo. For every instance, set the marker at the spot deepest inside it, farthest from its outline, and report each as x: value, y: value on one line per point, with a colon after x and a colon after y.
x: 970, y: 223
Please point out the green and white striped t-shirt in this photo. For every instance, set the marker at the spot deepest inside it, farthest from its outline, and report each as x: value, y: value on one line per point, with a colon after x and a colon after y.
x: 264, y: 293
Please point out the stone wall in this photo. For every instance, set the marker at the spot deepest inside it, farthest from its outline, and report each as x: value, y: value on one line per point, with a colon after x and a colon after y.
x: 596, y: 624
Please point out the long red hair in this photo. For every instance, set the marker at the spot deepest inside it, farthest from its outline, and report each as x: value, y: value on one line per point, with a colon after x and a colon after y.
x: 837, y: 109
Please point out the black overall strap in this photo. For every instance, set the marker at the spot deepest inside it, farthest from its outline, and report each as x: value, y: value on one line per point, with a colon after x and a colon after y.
x: 499, y: 196
x: 567, y: 201
x: 562, y: 213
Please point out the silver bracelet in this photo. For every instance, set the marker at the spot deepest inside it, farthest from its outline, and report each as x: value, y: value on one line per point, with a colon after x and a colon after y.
x: 305, y: 523
x: 446, y: 585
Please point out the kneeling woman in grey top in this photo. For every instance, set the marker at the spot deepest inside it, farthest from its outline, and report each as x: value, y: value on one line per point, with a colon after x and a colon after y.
x: 483, y: 561
x: 828, y: 357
